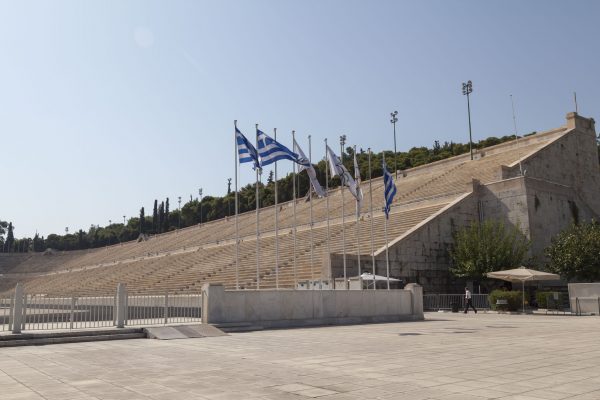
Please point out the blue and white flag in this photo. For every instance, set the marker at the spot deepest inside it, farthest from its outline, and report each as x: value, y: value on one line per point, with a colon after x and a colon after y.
x: 246, y: 151
x: 389, y: 189
x: 271, y: 150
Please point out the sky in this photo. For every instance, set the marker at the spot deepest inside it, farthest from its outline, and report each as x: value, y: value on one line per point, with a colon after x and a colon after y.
x: 108, y: 105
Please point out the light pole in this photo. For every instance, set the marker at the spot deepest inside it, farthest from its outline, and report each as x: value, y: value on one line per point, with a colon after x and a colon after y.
x: 467, y: 89
x: 179, y: 223
x: 124, y: 221
x: 393, y: 121
x: 108, y: 232
x: 228, y: 197
x: 200, y: 194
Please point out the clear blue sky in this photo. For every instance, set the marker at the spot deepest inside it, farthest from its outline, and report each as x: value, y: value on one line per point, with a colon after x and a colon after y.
x: 107, y: 105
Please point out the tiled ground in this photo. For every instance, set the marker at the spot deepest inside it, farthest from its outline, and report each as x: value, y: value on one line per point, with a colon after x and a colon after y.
x: 449, y: 356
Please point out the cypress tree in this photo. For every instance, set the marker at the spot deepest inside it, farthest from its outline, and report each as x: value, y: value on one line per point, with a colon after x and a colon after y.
x: 155, y: 217
x: 142, y: 221
x: 166, y: 220
x: 161, y: 217
x: 10, y: 237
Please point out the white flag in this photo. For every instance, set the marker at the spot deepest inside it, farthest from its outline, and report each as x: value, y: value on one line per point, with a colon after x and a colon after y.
x: 338, y: 169
x: 359, y: 192
x: 310, y: 170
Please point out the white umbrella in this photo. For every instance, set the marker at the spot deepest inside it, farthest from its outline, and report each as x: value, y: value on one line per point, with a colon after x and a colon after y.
x: 523, y: 274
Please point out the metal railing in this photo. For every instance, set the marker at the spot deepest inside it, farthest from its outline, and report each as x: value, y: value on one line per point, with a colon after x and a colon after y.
x: 155, y: 309
x: 5, y: 313
x: 42, y: 312
x: 437, y: 302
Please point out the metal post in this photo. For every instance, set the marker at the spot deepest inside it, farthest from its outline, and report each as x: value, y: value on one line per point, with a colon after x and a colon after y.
x: 258, y: 172
x: 356, y: 177
x: 310, y: 190
x: 237, y: 229
x: 372, y: 218
x: 166, y: 308
x: 327, y: 206
x: 121, y: 305
x: 294, y: 217
x: 387, y: 254
x: 276, y: 223
x: 393, y: 121
x: 17, y: 320
x: 523, y: 281
x: 342, y: 142
x: 200, y: 194
x: 179, y: 223
x: 467, y: 89
x: 516, y: 135
x: 72, y: 313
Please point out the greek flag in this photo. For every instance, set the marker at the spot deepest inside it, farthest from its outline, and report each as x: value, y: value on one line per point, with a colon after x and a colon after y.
x: 271, y: 150
x: 390, y: 189
x: 247, y: 152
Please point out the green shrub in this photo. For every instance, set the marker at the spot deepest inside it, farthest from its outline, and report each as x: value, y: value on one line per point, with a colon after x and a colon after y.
x: 542, y: 299
x: 513, y: 298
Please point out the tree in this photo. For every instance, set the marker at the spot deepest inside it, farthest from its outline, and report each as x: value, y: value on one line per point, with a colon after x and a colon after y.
x: 10, y: 237
x: 166, y: 218
x: 575, y: 252
x: 155, y: 217
x: 161, y: 217
x: 3, y: 226
x: 38, y: 243
x: 142, y: 221
x: 486, y: 247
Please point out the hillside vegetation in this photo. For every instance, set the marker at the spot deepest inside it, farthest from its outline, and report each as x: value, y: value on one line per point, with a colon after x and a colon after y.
x: 164, y: 218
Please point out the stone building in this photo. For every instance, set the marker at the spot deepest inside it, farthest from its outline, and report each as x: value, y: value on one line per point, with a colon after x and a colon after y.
x: 542, y: 183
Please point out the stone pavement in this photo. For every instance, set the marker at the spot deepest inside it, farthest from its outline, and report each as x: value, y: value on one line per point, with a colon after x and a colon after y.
x: 449, y: 356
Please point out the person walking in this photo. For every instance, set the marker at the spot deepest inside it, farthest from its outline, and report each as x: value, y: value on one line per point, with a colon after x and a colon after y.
x: 469, y: 301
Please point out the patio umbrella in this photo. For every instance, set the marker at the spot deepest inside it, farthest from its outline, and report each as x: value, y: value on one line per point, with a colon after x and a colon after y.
x: 522, y: 274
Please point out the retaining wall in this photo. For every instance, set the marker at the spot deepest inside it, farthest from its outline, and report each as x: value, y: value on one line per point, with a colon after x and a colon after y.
x: 284, y: 308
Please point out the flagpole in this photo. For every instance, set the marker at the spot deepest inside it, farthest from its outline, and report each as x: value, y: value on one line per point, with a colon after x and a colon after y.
x: 387, y: 254
x: 237, y: 230
x: 276, y: 224
x: 312, y: 273
x: 257, y: 227
x: 327, y: 206
x: 371, y: 211
x: 357, y: 221
x: 294, y: 212
x: 342, y: 142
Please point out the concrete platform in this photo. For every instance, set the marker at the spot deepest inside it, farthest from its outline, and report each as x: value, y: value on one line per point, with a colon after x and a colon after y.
x: 183, y: 332
x: 446, y: 357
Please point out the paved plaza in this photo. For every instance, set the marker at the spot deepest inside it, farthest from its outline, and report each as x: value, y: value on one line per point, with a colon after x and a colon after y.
x: 448, y: 356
